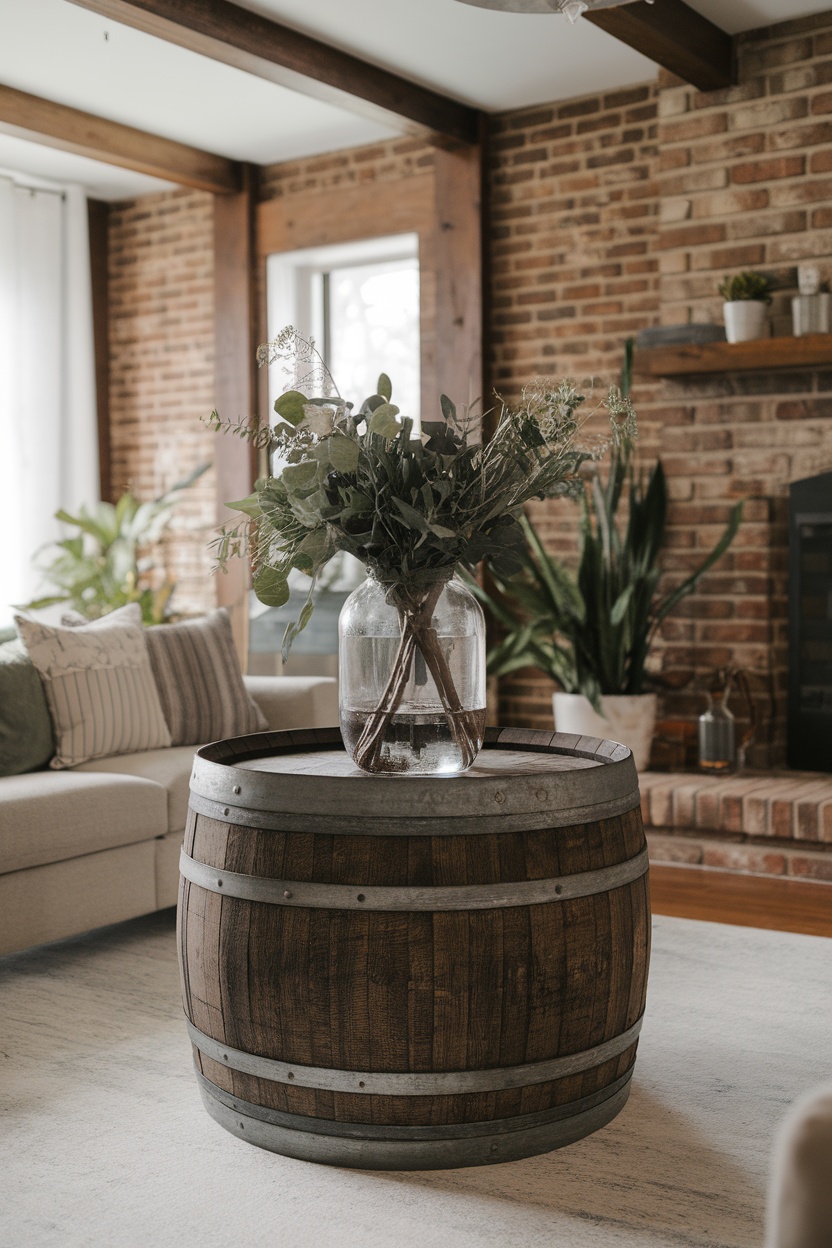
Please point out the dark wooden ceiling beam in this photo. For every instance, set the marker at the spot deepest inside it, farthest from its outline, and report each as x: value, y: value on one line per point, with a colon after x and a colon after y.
x: 263, y: 47
x: 56, y: 125
x: 676, y: 37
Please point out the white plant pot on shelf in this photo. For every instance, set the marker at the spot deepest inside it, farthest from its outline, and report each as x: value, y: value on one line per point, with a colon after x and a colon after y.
x: 628, y: 718
x: 746, y: 320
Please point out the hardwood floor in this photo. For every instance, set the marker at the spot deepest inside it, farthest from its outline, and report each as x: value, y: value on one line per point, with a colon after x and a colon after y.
x: 785, y: 905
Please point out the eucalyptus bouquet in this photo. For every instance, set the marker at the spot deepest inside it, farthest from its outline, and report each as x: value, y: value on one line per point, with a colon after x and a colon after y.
x: 411, y: 507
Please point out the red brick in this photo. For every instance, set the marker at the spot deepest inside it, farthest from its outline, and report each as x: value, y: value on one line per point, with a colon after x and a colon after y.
x: 744, y: 858
x: 728, y: 149
x: 812, y: 867
x: 693, y: 128
x: 580, y: 108
x: 769, y: 170
x: 691, y: 236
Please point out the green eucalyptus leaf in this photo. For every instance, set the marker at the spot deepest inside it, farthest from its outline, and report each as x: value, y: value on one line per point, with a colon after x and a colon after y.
x: 413, y: 518
x: 384, y: 386
x: 271, y: 587
x: 297, y: 477
x: 439, y: 530
x: 448, y: 409
x: 290, y: 406
x: 344, y: 452
x: 249, y: 506
x: 383, y: 421
x: 313, y: 550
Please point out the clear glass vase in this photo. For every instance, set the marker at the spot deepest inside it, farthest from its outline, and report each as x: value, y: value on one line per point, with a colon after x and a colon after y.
x: 412, y: 677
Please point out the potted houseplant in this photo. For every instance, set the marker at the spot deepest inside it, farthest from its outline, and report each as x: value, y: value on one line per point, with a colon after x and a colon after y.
x: 591, y: 630
x: 413, y: 509
x: 747, y: 297
x: 103, y: 564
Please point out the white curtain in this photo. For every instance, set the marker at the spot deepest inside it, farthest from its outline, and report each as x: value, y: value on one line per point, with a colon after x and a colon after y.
x: 48, y: 430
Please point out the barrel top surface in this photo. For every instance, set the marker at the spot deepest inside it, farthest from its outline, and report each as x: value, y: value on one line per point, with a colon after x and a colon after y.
x: 517, y: 771
x: 490, y: 763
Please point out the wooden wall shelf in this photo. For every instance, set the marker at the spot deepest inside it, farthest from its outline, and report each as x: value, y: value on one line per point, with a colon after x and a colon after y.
x: 764, y: 354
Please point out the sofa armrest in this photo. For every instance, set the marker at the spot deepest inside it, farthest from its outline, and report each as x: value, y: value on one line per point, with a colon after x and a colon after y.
x: 295, y: 701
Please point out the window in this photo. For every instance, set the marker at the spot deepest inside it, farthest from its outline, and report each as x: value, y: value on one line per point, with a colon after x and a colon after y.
x: 360, y: 303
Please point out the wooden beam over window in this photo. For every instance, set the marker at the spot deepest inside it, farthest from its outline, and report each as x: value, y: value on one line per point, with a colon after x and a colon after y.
x: 674, y: 35
x: 44, y: 121
x: 248, y: 41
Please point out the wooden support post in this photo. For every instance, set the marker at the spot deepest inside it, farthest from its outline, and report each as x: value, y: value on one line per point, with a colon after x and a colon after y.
x: 99, y: 224
x: 234, y: 377
x: 457, y: 247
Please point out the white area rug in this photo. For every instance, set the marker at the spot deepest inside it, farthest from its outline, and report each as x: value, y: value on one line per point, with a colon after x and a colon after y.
x: 104, y: 1142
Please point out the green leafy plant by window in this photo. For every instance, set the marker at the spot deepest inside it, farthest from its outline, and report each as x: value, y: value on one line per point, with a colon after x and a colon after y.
x: 746, y: 286
x: 101, y: 566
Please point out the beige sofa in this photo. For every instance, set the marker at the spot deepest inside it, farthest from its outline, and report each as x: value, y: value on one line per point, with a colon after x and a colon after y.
x: 100, y: 843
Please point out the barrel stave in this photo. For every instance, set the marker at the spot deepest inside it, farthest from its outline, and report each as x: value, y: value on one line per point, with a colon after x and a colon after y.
x: 366, y: 963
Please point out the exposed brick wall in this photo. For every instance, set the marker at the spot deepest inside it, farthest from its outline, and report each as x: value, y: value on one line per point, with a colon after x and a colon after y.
x: 573, y: 271
x: 380, y: 162
x: 162, y: 374
x: 573, y: 218
x: 723, y: 181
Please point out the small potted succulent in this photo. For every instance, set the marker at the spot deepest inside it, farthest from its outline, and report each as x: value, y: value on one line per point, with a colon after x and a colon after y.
x: 746, y: 301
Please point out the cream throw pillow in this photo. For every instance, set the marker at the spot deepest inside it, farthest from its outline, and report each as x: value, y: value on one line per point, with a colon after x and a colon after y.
x: 99, y: 686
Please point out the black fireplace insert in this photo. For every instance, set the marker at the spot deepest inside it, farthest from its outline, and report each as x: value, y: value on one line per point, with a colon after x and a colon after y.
x: 810, y: 624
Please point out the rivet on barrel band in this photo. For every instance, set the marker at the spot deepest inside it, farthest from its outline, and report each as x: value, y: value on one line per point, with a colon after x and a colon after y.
x: 413, y: 1083
x: 462, y: 897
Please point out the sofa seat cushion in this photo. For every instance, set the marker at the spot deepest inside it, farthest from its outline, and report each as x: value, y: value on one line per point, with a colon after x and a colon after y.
x: 52, y: 816
x: 169, y: 768
x: 295, y: 701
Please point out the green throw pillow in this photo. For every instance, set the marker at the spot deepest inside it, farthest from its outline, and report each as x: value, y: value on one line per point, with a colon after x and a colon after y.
x: 25, y: 727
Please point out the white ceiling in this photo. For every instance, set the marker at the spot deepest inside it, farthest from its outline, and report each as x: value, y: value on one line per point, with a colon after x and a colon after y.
x: 495, y: 61
x: 499, y: 60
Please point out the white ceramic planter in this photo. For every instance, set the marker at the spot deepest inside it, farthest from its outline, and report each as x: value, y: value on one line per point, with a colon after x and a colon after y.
x: 745, y: 320
x: 629, y: 719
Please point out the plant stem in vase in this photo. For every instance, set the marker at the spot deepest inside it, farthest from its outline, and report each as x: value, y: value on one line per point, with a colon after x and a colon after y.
x: 412, y: 677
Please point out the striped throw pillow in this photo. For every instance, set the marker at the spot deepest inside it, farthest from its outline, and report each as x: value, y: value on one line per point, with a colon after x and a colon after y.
x: 199, y: 681
x: 99, y: 686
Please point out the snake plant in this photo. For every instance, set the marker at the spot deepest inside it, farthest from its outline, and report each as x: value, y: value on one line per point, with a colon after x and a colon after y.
x: 592, y: 630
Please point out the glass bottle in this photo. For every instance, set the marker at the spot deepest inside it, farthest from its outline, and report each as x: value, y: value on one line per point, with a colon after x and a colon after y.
x: 717, y: 728
x: 412, y: 676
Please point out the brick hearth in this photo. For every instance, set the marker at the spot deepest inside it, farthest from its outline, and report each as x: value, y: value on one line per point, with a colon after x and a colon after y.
x: 774, y: 823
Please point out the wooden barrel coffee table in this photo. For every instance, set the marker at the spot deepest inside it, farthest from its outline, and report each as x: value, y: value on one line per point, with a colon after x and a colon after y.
x: 414, y: 972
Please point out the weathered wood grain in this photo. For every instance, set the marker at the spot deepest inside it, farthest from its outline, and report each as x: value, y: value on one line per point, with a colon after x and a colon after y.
x: 415, y: 991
